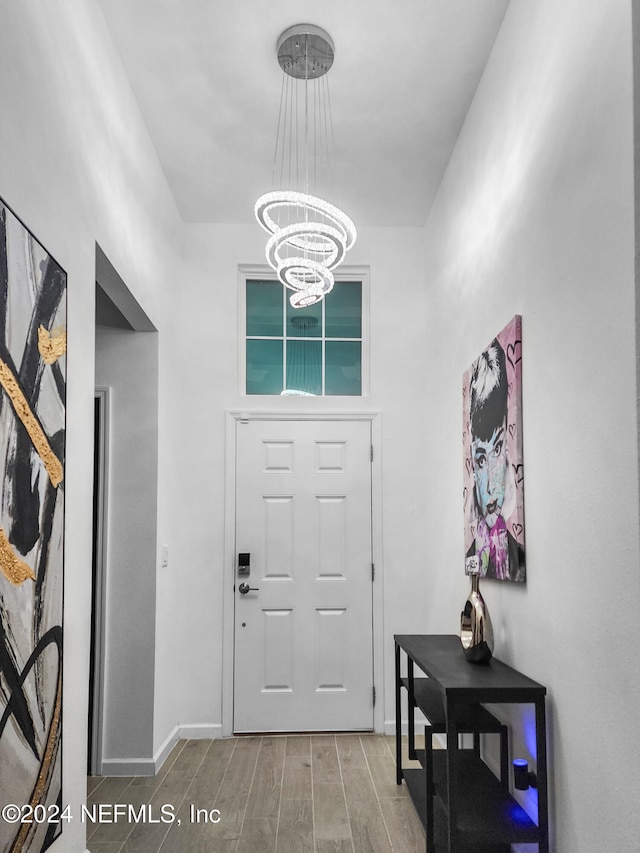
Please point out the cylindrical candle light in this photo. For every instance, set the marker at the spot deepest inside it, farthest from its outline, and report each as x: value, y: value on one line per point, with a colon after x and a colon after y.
x: 522, y: 779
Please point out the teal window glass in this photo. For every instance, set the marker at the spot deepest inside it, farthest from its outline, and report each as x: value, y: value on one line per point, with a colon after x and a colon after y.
x: 315, y: 350
x: 304, y: 322
x: 264, y: 309
x: 343, y: 368
x: 304, y: 367
x: 343, y: 310
x: 264, y: 367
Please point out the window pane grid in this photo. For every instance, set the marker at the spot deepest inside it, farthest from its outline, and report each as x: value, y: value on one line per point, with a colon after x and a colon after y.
x: 322, y: 361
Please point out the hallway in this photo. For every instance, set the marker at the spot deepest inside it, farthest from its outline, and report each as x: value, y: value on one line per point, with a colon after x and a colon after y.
x: 300, y: 793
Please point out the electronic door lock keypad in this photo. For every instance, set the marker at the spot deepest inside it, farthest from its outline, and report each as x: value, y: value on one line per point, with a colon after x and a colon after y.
x: 244, y: 565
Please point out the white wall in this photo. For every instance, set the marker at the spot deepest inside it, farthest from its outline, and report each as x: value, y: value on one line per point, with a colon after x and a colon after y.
x: 205, y: 352
x: 127, y: 364
x: 77, y: 166
x: 535, y: 216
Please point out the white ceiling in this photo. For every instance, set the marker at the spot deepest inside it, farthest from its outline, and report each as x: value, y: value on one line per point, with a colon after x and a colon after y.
x: 207, y: 80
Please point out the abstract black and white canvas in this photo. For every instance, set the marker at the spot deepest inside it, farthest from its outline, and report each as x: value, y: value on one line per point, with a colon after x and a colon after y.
x: 32, y: 457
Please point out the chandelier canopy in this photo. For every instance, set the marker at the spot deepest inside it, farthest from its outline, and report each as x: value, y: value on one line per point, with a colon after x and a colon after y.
x: 309, y: 236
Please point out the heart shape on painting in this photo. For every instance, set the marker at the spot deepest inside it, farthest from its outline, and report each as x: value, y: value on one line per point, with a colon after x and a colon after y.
x: 517, y: 529
x: 518, y: 470
x: 514, y: 353
x: 512, y: 430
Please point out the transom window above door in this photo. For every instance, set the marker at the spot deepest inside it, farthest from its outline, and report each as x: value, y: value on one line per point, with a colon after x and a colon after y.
x: 314, y: 351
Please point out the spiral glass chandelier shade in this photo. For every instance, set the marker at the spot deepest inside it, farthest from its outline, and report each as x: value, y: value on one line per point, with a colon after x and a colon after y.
x: 309, y: 236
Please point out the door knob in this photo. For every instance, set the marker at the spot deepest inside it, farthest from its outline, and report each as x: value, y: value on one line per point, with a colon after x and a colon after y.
x: 244, y: 588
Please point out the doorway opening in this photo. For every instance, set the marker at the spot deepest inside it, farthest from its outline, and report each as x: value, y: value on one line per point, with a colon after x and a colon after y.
x: 121, y: 689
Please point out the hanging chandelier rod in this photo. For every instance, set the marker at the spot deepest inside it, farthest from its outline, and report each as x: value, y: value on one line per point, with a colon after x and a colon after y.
x: 309, y: 236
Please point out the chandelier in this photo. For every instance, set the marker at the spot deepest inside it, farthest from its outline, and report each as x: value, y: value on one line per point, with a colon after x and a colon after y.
x: 309, y: 236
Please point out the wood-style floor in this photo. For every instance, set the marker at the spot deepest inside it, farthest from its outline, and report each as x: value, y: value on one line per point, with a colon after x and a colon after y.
x: 289, y: 794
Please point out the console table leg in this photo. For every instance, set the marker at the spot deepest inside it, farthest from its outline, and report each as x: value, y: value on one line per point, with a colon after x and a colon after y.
x: 411, y: 722
x: 504, y: 757
x: 452, y: 755
x: 398, y: 720
x: 541, y: 767
x: 428, y: 769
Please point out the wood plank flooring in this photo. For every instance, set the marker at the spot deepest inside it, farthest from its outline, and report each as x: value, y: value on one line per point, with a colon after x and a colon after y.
x: 288, y: 794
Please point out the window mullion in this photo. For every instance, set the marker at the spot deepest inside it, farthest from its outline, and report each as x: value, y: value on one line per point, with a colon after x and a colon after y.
x: 341, y: 315
x: 284, y: 338
x: 322, y: 365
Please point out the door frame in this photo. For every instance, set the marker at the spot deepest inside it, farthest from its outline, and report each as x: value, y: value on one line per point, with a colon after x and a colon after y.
x: 232, y: 419
x: 102, y: 399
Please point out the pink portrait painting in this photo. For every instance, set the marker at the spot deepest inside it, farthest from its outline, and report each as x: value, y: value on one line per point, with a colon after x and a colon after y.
x: 493, y: 471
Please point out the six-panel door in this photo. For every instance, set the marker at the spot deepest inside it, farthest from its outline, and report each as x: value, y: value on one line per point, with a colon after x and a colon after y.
x: 303, y: 632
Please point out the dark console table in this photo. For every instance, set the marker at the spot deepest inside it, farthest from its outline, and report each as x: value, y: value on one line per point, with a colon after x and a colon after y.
x: 463, y: 806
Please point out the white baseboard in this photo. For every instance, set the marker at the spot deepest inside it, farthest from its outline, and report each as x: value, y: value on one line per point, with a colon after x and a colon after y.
x: 192, y: 731
x: 150, y: 766
x: 390, y: 725
x: 390, y: 729
x: 169, y: 742
x: 200, y: 731
x: 128, y: 767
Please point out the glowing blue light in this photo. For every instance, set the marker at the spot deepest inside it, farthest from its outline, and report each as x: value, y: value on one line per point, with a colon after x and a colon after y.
x: 519, y: 815
x: 529, y: 731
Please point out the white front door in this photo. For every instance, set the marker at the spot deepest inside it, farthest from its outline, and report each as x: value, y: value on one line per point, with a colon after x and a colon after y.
x: 303, y: 632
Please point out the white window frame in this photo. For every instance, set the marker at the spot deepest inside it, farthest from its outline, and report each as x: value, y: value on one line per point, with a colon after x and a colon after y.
x: 265, y: 273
